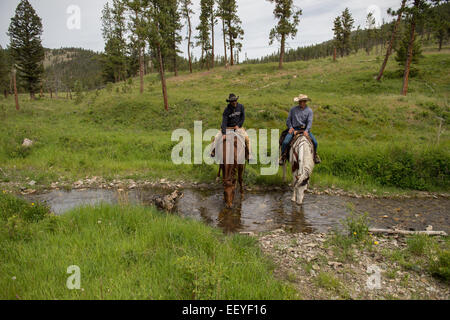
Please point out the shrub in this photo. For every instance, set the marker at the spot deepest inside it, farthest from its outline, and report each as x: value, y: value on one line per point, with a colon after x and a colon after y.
x: 418, y: 244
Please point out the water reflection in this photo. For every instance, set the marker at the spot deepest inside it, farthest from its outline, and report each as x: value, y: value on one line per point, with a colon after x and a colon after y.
x: 265, y: 211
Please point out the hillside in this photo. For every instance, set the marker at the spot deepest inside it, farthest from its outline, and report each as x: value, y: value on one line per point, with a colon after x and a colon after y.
x: 370, y: 138
x: 65, y: 66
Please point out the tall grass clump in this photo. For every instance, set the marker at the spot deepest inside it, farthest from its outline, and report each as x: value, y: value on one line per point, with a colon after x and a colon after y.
x: 354, y: 232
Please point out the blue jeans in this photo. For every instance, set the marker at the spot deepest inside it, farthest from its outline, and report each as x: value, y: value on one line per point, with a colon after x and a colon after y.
x: 289, y: 137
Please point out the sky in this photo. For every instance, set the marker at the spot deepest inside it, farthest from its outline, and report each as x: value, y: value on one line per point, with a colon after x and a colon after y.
x: 76, y: 23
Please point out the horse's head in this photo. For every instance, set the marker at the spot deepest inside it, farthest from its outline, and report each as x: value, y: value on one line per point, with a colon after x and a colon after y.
x: 302, y: 157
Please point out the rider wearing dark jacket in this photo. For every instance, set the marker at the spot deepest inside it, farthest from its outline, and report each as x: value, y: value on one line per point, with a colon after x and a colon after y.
x: 232, y: 117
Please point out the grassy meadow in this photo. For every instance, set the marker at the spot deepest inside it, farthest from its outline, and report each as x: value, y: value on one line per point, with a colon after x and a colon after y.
x: 126, y: 252
x: 370, y: 137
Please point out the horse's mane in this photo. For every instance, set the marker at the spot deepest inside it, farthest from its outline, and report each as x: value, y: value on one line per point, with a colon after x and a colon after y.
x: 295, y: 161
x: 238, y: 150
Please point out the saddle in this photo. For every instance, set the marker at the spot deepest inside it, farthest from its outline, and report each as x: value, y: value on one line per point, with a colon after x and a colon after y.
x: 285, y: 155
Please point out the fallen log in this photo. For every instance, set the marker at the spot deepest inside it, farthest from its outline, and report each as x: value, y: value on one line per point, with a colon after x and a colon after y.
x: 407, y: 232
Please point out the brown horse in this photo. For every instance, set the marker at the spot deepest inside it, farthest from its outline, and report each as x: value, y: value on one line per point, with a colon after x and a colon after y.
x: 230, y: 165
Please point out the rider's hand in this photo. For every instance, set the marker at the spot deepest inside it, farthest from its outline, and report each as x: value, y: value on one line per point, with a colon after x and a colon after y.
x: 236, y: 128
x: 291, y: 131
x: 224, y: 137
x: 306, y: 133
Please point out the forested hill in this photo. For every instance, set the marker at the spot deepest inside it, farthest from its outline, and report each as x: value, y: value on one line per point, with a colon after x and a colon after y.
x: 65, y: 66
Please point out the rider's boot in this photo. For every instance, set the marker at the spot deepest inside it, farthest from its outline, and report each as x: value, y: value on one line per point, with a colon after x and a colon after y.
x: 282, y: 160
x: 317, y: 158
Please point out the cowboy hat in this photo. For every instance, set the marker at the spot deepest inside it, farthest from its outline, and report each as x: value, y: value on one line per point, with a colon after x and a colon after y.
x: 232, y: 98
x: 302, y: 97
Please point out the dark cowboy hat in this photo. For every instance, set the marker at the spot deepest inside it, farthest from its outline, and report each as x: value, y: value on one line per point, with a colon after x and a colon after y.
x: 232, y: 98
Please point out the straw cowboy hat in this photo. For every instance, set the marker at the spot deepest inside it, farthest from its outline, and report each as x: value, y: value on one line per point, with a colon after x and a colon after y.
x: 232, y: 98
x: 302, y: 97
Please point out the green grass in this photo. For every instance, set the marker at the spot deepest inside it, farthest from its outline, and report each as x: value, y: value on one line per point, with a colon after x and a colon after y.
x: 370, y: 137
x: 130, y: 253
x: 332, y: 284
x: 425, y: 254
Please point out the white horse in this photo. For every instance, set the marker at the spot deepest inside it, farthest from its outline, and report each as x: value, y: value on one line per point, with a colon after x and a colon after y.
x: 301, y: 158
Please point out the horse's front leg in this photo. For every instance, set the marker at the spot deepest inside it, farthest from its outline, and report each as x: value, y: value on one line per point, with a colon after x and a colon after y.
x: 294, y: 193
x: 241, y: 178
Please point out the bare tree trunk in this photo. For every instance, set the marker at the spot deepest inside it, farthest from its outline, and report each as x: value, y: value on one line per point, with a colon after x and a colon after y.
x: 175, y: 68
x: 408, y: 232
x: 51, y: 93
x: 11, y: 83
x: 5, y: 92
x: 391, y: 42
x: 334, y: 54
x: 163, y: 78
x: 283, y: 41
x: 212, y: 41
x: 409, y: 58
x: 224, y: 42
x: 189, y: 42
x: 141, y: 68
x: 16, y: 97
x: 202, y: 59
x: 231, y: 50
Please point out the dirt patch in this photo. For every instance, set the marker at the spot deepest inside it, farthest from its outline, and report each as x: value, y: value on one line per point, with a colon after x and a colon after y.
x: 313, y: 268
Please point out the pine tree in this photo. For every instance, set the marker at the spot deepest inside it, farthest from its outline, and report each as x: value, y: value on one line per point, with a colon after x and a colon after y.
x: 204, y: 28
x: 137, y: 26
x: 4, y: 72
x: 213, y: 22
x: 233, y: 28
x: 399, y: 14
x: 114, y: 29
x: 440, y: 21
x: 221, y: 15
x: 158, y: 14
x: 415, y: 15
x: 371, y: 32
x: 338, y: 35
x: 402, y: 53
x: 25, y: 33
x: 187, y: 13
x: 347, y: 27
x: 288, y: 19
x: 172, y: 28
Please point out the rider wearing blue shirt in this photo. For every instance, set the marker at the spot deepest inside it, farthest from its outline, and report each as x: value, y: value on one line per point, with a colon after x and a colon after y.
x: 300, y: 118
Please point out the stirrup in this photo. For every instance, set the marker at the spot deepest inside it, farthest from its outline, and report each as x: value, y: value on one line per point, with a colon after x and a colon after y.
x: 317, y: 159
